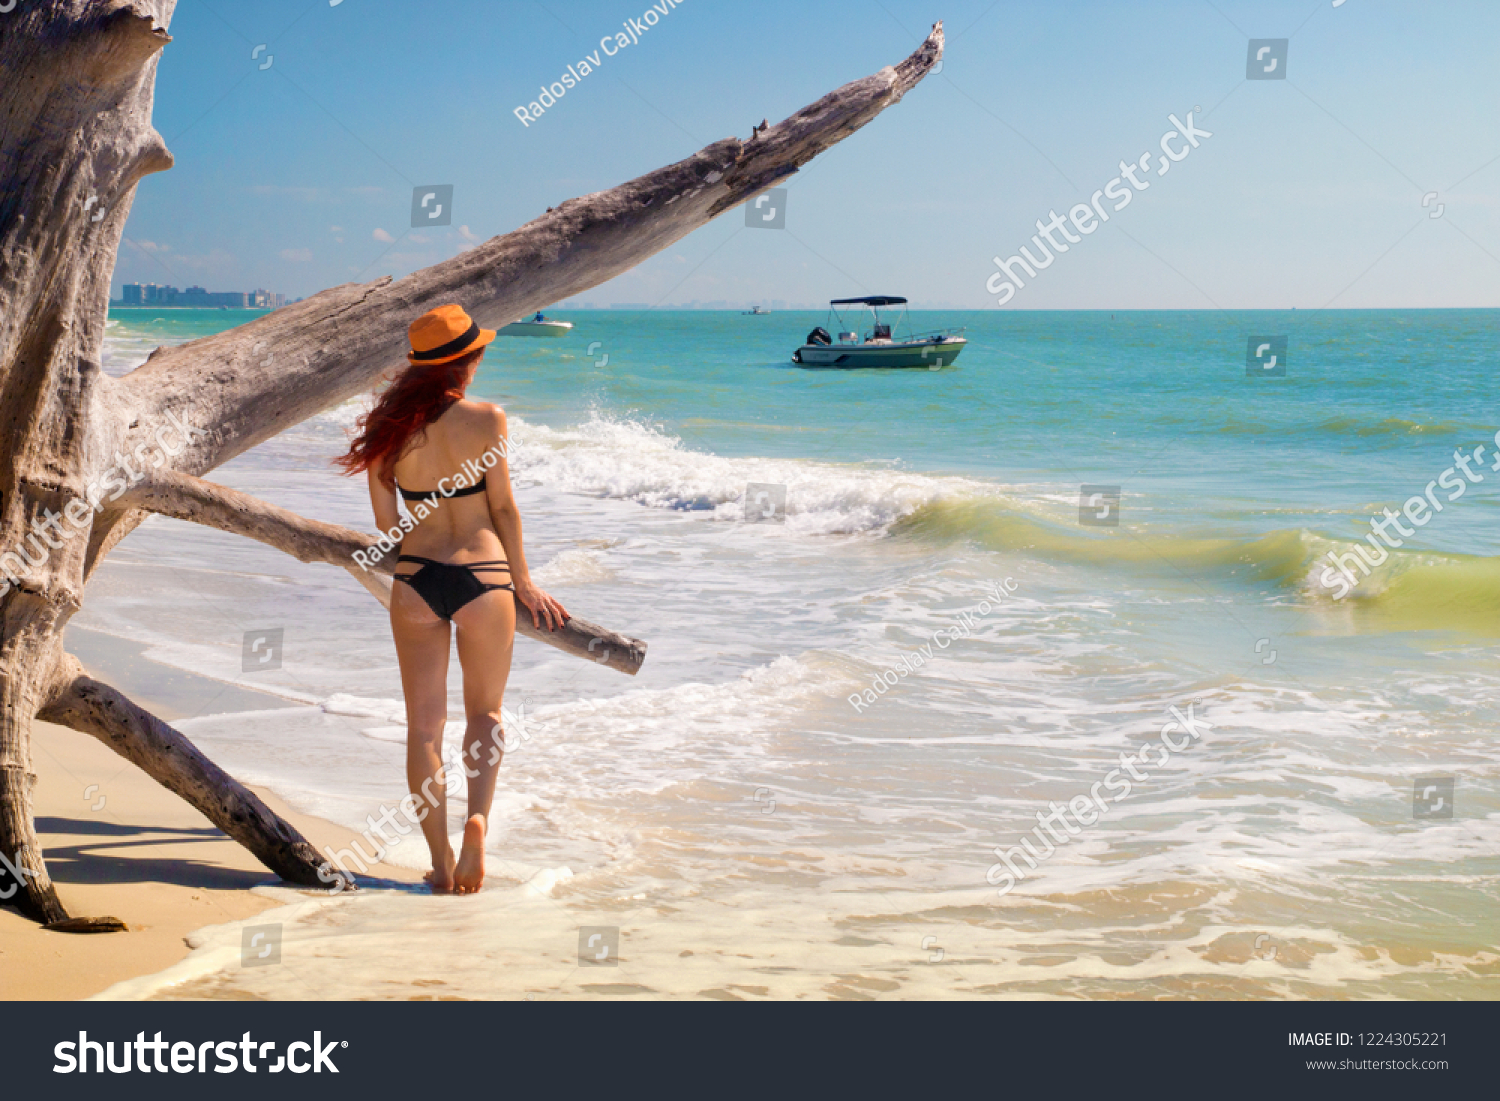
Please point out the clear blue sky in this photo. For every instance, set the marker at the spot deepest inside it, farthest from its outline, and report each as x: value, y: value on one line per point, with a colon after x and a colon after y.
x: 299, y: 176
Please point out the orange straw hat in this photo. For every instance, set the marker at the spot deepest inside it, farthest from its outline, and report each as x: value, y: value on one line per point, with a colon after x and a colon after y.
x: 444, y: 334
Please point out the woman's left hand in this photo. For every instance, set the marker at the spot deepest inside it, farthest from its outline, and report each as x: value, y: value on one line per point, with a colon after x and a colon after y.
x: 541, y: 606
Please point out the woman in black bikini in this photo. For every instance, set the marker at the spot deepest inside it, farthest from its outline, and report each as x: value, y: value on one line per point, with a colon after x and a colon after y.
x: 461, y: 566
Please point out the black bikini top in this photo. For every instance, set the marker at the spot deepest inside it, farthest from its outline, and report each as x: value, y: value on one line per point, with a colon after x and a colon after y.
x: 424, y: 494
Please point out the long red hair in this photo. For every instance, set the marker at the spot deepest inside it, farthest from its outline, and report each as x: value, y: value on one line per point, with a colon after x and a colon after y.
x: 417, y: 396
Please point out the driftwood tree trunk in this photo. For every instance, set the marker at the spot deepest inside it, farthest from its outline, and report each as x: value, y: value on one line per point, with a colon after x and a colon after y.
x: 76, y: 85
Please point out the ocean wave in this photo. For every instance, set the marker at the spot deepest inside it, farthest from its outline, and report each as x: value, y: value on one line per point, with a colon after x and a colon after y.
x: 1000, y: 526
x: 1410, y: 590
x: 633, y: 461
x: 1413, y: 589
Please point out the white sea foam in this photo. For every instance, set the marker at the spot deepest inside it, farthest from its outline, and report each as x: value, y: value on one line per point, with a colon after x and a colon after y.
x: 341, y: 704
x: 578, y: 566
x: 635, y: 461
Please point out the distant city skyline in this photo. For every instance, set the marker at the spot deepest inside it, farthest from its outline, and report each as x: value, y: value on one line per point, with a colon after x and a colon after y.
x: 1360, y: 171
x: 169, y: 297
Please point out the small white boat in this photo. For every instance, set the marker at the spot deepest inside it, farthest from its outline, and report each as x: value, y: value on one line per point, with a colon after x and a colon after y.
x: 876, y: 347
x: 538, y: 326
x: 756, y: 311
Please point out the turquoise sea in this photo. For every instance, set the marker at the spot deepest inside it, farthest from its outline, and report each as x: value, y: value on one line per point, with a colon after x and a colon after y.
x: 786, y: 802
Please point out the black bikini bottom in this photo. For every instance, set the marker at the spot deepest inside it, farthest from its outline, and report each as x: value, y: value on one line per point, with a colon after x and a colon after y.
x: 448, y: 586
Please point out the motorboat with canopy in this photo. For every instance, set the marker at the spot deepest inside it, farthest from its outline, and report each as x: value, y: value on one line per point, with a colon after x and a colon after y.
x: 875, y: 346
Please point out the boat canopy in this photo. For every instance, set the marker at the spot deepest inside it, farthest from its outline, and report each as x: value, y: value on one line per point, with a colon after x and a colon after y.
x: 876, y: 300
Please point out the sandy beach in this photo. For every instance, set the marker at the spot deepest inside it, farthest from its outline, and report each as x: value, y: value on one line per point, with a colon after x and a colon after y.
x: 120, y: 845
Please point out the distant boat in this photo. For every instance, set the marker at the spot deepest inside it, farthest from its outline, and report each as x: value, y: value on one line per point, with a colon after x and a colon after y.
x: 756, y: 311
x: 538, y: 326
x: 876, y: 347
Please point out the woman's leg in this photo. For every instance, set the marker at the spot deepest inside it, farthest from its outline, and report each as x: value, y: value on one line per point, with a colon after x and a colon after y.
x: 422, y: 640
x: 486, y: 638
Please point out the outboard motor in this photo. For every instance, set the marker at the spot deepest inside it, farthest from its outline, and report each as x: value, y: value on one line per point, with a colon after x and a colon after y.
x: 819, y: 335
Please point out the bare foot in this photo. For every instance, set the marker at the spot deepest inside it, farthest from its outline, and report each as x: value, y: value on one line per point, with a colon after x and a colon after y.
x: 468, y: 876
x: 442, y: 883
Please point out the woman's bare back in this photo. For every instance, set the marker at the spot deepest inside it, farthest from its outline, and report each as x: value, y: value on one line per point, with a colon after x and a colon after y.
x: 452, y: 456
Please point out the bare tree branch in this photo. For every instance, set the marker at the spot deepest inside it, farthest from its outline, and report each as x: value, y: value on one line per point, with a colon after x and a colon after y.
x: 185, y: 497
x: 173, y: 761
